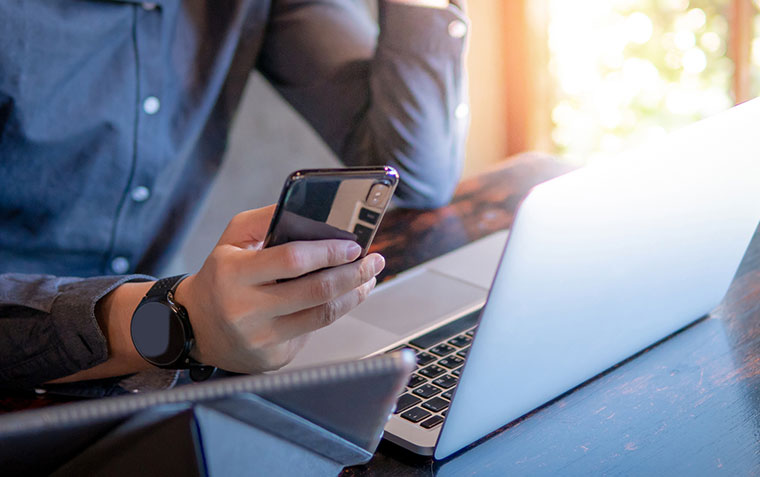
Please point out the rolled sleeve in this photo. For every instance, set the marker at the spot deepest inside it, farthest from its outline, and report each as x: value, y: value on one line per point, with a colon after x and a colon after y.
x: 420, y: 87
x: 422, y: 30
x: 392, y: 92
x: 48, y: 328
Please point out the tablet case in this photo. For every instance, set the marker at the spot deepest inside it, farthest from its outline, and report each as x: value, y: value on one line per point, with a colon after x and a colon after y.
x: 313, y: 421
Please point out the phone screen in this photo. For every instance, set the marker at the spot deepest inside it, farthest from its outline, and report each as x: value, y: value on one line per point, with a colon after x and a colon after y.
x: 331, y: 207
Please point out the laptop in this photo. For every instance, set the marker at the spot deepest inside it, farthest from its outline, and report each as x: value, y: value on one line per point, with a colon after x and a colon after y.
x: 599, y: 264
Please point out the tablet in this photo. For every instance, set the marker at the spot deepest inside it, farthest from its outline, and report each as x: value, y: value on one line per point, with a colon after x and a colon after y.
x: 351, y: 400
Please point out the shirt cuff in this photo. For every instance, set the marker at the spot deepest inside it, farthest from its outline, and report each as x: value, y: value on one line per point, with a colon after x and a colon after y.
x: 80, y: 335
x: 423, y: 30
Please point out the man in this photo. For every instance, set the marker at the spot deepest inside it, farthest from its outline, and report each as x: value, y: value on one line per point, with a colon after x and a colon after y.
x: 113, y: 120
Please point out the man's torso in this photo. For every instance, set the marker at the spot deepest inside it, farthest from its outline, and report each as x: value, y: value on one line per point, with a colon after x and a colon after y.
x: 113, y: 121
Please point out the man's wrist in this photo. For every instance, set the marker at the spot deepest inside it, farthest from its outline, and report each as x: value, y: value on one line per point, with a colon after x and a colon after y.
x: 114, y: 315
x: 182, y: 297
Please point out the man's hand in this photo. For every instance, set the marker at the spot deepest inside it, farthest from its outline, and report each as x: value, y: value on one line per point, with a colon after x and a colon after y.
x: 244, y: 320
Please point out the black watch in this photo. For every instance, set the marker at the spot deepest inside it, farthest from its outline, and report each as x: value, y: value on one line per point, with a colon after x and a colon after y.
x: 161, y: 330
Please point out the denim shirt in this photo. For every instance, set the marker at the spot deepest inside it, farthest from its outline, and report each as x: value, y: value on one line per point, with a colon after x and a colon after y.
x: 114, y: 118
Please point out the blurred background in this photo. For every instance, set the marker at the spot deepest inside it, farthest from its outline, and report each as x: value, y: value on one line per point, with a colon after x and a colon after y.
x: 611, y: 74
x: 590, y: 77
x: 579, y: 79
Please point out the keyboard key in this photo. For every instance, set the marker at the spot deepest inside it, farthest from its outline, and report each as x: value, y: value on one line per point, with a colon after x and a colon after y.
x: 451, y: 362
x: 415, y: 381
x: 447, y: 394
x: 446, y: 382
x: 442, y: 349
x: 426, y: 391
x: 445, y: 332
x: 457, y: 372
x: 436, y: 404
x: 432, y: 371
x: 444, y: 413
x: 423, y: 359
x: 415, y: 414
x: 460, y: 341
x: 432, y: 422
x: 463, y: 352
x: 405, y: 402
x: 471, y: 333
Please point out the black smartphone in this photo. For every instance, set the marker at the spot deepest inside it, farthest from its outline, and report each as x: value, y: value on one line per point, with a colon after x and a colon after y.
x: 318, y: 204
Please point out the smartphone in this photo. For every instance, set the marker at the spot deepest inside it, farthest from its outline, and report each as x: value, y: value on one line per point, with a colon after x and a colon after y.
x: 318, y: 204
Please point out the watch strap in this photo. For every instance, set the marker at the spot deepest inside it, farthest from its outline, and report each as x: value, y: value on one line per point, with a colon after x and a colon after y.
x: 165, y: 285
x: 161, y: 289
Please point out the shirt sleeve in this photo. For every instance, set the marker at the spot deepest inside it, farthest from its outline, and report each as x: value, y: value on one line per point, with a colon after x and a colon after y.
x: 391, y: 92
x: 48, y: 328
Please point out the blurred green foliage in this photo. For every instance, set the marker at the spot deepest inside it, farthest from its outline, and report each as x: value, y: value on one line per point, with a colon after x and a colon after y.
x: 626, y: 71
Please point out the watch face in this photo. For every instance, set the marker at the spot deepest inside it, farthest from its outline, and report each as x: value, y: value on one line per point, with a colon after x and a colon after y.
x: 157, y: 333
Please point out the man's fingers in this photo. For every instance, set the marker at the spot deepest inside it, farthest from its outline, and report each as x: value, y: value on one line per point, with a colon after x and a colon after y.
x: 293, y: 259
x: 248, y: 227
x: 296, y: 324
x: 324, y: 286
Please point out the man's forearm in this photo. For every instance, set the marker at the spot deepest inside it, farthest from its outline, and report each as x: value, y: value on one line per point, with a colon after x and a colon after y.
x: 114, y: 315
x: 417, y: 118
x: 397, y: 98
x: 49, y: 329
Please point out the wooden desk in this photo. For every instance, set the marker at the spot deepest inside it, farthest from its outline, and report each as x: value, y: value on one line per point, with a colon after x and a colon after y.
x: 689, y: 405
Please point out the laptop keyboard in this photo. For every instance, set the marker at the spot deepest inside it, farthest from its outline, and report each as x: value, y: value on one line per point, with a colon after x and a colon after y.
x: 440, y: 357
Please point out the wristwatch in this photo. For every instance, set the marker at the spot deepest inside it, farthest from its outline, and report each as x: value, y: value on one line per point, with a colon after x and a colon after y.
x: 161, y: 330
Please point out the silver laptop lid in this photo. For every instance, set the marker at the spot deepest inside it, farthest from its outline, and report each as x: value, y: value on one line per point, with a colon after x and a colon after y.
x: 603, y: 262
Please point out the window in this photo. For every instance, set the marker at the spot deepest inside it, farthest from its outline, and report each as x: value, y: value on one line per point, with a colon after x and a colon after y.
x: 626, y: 71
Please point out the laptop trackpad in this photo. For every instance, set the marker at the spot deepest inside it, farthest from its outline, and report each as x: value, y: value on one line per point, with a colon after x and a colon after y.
x: 414, y: 301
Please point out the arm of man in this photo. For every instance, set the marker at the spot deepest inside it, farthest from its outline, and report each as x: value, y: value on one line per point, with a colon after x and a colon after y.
x: 396, y: 97
x: 48, y: 327
x: 242, y: 318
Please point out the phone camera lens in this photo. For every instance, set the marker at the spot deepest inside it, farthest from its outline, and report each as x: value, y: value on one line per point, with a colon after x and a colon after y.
x: 377, y: 194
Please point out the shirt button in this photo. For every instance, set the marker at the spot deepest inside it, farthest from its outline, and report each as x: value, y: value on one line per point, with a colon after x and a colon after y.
x: 462, y: 111
x: 151, y: 105
x: 149, y: 6
x: 120, y: 265
x: 457, y: 29
x: 140, y: 194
